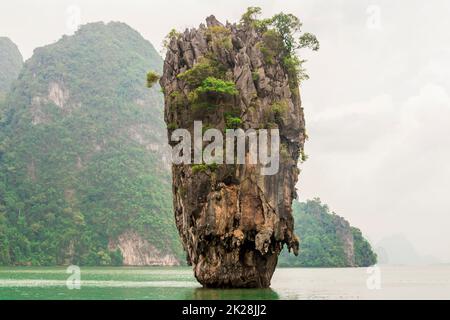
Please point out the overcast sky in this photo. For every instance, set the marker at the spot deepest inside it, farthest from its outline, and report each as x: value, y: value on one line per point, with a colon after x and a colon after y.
x: 377, y: 104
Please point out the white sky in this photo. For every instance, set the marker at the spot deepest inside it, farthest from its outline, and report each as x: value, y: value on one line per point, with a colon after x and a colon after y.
x: 377, y: 103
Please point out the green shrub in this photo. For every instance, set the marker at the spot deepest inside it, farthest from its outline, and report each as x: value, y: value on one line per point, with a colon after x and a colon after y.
x: 172, y: 34
x: 172, y: 126
x: 199, y: 105
x: 220, y: 37
x: 255, y: 76
x: 282, y: 37
x: 218, y: 86
x: 206, y: 80
x: 203, y: 69
x: 250, y: 19
x: 271, y: 46
x: 213, y: 167
x: 207, y: 96
x: 218, y: 31
x: 104, y: 259
x: 152, y: 78
x: 250, y: 16
x: 295, y: 70
x: 279, y: 110
x: 308, y: 40
x: 233, y: 122
x: 116, y: 257
x: 204, y: 167
x: 303, y: 156
x: 177, y: 99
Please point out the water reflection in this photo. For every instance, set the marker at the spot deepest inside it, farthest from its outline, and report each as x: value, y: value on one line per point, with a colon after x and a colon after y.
x: 232, y: 294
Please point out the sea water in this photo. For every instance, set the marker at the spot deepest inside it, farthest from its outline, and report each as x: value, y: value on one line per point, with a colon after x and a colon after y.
x: 383, y: 282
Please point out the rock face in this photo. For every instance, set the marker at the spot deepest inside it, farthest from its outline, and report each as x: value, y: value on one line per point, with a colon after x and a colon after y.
x: 232, y: 220
x: 137, y: 251
x: 345, y: 234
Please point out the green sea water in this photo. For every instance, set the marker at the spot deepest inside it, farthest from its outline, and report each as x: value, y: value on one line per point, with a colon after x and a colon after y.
x: 173, y: 283
x: 431, y: 282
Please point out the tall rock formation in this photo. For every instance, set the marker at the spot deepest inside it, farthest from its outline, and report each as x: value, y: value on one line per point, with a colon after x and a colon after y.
x: 233, y: 221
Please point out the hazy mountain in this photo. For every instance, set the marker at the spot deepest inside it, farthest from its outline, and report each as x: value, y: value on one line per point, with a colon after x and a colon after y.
x: 397, y: 249
x: 83, y: 177
x: 10, y: 63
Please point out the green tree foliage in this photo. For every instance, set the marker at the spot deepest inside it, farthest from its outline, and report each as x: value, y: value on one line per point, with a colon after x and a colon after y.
x: 282, y: 37
x: 364, y: 255
x: 74, y: 177
x: 287, y: 27
x: 202, y: 70
x: 204, y: 168
x: 220, y: 37
x: 209, y: 94
x: 320, y: 244
x: 217, y: 86
x: 250, y: 16
x: 152, y: 78
x: 271, y: 46
x: 233, y: 122
x: 208, y: 84
x: 173, y: 34
x: 308, y: 40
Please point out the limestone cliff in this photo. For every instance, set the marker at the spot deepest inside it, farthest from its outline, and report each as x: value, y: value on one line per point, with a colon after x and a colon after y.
x: 345, y: 235
x: 82, y: 155
x: 232, y: 220
x: 137, y: 251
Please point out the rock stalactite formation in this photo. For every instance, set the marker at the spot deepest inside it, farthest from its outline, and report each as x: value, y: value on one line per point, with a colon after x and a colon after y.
x: 233, y: 221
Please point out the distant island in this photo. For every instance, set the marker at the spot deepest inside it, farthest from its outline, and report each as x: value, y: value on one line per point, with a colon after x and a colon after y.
x: 326, y: 240
x: 398, y: 250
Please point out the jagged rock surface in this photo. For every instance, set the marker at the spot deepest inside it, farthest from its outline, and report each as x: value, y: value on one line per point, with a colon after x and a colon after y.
x: 233, y: 222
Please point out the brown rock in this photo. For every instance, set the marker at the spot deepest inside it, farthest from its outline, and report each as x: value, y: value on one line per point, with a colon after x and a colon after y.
x: 233, y: 221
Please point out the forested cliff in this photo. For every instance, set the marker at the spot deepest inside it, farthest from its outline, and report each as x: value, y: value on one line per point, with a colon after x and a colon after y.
x: 83, y: 176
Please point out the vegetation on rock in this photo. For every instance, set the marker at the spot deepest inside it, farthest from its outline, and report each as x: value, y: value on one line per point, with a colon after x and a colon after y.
x: 229, y: 221
x: 281, y: 38
x: 152, y: 78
